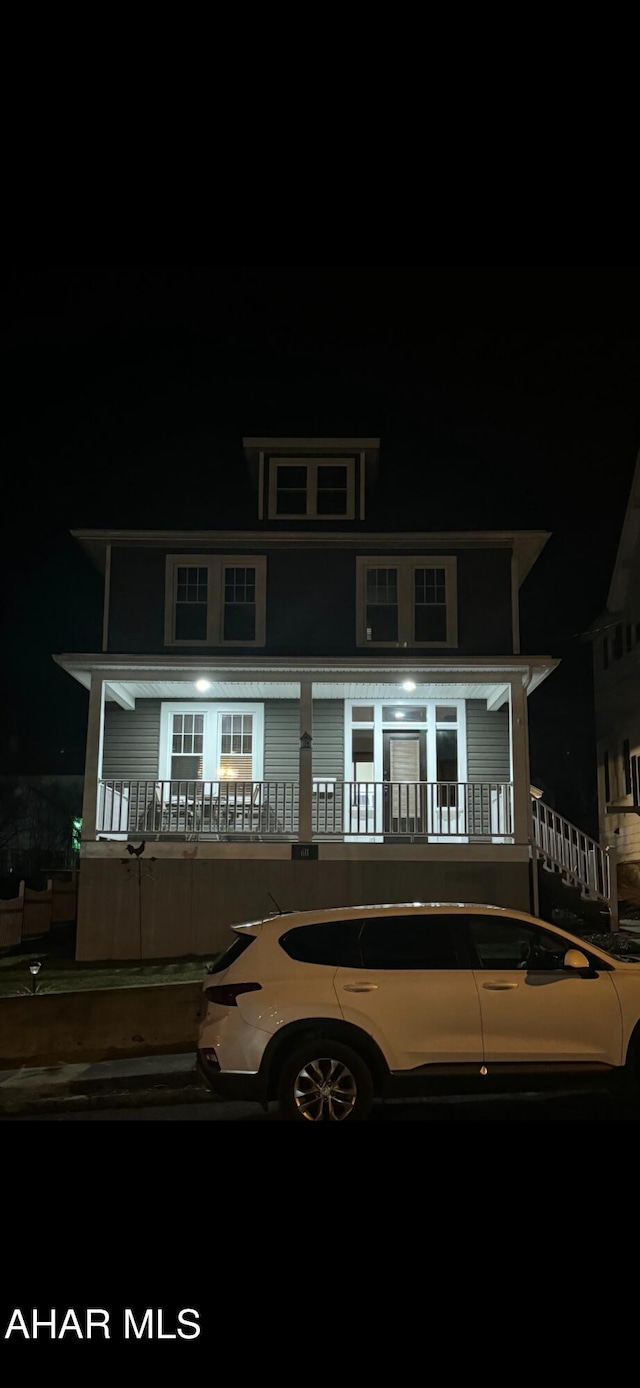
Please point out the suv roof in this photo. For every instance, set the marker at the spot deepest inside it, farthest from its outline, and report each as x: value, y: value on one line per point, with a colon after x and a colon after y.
x: 294, y: 918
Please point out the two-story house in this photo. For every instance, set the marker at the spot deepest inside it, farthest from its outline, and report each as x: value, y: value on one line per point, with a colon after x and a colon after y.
x: 310, y: 711
x: 616, y: 664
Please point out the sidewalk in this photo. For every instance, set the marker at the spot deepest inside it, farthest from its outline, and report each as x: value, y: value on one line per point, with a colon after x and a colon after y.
x: 130, y: 1083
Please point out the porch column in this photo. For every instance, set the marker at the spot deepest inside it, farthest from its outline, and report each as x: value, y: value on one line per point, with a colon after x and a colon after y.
x: 520, y: 774
x: 305, y: 793
x: 93, y: 760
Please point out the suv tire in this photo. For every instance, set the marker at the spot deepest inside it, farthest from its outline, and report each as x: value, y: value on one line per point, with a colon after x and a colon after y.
x: 323, y: 1080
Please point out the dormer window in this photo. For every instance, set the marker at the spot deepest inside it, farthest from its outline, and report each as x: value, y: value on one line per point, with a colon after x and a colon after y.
x: 312, y: 488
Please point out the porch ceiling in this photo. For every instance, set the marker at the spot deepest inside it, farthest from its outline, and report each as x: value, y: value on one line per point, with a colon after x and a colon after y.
x: 279, y: 689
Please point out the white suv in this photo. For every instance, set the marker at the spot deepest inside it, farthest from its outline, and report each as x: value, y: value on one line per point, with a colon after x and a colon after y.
x: 327, y: 1010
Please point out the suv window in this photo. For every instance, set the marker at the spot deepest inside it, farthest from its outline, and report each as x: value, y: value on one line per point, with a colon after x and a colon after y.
x: 513, y: 944
x: 230, y: 955
x: 327, y: 942
x: 409, y: 942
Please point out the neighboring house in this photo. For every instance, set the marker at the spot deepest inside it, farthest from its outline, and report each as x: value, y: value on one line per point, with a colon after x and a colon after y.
x: 616, y: 651
x: 306, y: 711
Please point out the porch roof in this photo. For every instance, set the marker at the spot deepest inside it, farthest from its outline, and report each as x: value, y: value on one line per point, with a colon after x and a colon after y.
x: 155, y: 677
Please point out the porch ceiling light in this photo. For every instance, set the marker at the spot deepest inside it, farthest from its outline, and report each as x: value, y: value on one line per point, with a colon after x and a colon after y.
x: 202, y: 686
x: 409, y: 686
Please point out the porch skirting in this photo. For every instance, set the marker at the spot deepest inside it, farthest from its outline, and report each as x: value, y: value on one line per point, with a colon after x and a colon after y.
x: 181, y: 899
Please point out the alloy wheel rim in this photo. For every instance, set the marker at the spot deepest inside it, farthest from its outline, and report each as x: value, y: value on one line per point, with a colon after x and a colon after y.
x: 325, y: 1090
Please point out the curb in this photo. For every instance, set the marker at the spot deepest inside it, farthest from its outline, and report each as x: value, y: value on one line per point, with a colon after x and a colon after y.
x: 137, y: 1097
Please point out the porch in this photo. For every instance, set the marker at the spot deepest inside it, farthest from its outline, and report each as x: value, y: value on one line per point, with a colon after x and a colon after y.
x: 306, y: 751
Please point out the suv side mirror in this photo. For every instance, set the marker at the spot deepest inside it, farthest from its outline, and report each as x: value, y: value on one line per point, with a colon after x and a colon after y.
x: 575, y: 959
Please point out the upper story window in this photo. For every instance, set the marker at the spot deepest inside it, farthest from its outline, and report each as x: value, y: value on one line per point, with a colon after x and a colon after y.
x: 215, y: 600
x: 312, y: 489
x: 406, y: 602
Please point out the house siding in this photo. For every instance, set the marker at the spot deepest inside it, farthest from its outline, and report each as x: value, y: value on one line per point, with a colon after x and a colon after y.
x: 131, y: 746
x: 488, y: 756
x: 282, y: 739
x: 328, y: 738
x: 311, y: 600
x: 488, y: 760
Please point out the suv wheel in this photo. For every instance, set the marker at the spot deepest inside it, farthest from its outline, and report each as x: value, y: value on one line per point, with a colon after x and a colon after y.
x: 325, y: 1081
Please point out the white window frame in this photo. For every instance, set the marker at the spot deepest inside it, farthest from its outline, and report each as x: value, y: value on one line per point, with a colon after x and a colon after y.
x: 312, y: 465
x: 215, y: 565
x: 406, y: 566
x: 429, y: 726
x: 213, y: 711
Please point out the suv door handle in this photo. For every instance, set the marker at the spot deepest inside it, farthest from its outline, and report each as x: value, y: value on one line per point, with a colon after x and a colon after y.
x: 359, y: 987
x: 499, y: 987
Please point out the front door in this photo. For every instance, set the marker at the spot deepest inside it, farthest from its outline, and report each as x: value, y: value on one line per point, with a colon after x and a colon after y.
x: 404, y: 763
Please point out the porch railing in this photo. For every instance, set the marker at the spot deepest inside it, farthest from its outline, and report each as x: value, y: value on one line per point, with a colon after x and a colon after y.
x: 566, y: 849
x: 209, y: 807
x: 340, y: 809
x: 423, y: 809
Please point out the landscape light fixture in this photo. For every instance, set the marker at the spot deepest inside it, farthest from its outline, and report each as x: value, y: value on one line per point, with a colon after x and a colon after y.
x: 409, y: 686
x: 34, y: 970
x: 202, y: 686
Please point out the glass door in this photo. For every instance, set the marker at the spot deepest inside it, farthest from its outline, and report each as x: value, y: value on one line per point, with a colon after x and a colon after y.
x: 446, y: 807
x: 406, y: 764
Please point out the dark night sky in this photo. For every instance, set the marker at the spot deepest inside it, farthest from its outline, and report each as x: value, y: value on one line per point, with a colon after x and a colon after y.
x: 503, y: 397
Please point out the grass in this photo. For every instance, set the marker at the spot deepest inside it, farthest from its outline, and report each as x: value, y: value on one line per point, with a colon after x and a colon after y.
x: 61, y: 974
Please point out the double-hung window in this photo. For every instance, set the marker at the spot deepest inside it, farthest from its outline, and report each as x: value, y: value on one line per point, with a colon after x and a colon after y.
x: 408, y: 601
x: 215, y: 600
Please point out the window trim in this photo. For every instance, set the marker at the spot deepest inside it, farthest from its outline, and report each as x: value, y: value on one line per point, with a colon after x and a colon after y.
x: 312, y: 465
x: 213, y: 710
x: 215, y: 565
x: 406, y: 565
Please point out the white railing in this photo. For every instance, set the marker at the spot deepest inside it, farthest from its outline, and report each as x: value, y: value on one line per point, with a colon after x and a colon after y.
x: 194, y: 807
x: 567, y: 850
x: 340, y: 809
x: 422, y: 809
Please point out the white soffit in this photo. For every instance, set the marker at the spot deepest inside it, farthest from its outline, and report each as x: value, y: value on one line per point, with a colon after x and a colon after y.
x: 265, y: 689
